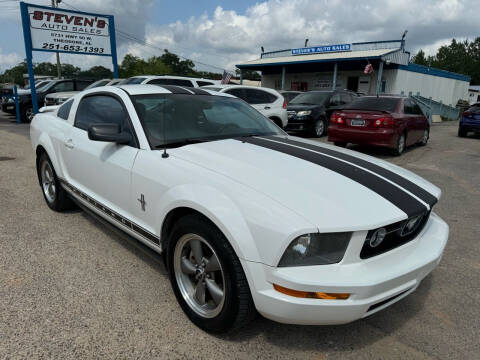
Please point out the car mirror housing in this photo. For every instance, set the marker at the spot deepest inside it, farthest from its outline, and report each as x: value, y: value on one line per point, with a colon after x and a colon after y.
x: 109, y: 132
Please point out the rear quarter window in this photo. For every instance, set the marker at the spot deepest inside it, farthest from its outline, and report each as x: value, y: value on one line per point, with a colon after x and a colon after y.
x: 204, y: 83
x: 64, y: 110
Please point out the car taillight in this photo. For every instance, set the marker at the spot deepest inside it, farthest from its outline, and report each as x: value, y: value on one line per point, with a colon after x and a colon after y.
x: 384, y: 122
x: 284, y: 104
x: 336, y: 119
x: 466, y: 114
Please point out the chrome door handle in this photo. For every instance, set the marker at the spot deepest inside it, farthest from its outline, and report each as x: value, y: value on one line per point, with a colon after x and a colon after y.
x: 69, y: 144
x: 267, y: 107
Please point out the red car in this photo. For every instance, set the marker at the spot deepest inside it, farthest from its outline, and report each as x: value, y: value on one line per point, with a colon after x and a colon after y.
x: 389, y: 121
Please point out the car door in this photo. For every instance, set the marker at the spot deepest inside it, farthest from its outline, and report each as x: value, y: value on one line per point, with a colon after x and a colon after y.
x: 102, y: 170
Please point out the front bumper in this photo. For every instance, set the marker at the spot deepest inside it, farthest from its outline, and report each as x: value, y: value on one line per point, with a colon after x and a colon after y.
x: 374, y: 284
x: 305, y: 123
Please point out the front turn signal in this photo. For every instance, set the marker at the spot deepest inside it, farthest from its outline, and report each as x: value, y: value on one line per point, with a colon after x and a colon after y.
x: 311, y: 295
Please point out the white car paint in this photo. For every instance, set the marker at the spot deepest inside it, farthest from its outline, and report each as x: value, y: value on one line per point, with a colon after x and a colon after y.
x: 275, y: 110
x: 169, y: 80
x: 260, y: 199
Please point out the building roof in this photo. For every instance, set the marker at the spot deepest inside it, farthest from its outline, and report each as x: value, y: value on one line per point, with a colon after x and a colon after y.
x: 325, y: 57
x: 433, y: 71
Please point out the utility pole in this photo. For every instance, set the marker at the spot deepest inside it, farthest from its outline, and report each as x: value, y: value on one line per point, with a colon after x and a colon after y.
x: 59, y: 67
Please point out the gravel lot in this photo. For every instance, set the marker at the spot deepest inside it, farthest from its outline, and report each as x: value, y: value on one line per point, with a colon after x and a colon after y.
x: 73, y: 287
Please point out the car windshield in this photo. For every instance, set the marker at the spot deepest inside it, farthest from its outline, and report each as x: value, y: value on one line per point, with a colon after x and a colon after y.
x: 133, y: 80
x: 373, y: 103
x: 97, y: 84
x: 175, y: 120
x: 311, y: 98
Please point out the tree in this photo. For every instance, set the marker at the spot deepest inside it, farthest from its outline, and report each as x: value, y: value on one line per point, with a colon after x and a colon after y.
x: 420, y: 58
x: 97, y: 73
x: 249, y: 74
x: 179, y: 67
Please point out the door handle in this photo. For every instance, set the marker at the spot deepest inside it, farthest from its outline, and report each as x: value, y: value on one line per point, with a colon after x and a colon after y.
x: 267, y: 107
x: 69, y: 144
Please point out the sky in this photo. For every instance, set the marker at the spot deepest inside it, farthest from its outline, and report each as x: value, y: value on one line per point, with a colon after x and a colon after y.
x: 222, y: 33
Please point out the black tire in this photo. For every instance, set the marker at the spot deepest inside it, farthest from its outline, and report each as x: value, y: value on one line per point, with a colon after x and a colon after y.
x: 425, y: 137
x: 60, y: 201
x: 462, y: 132
x: 25, y: 114
x: 238, y: 308
x: 340, y: 143
x: 399, y: 147
x: 319, y: 128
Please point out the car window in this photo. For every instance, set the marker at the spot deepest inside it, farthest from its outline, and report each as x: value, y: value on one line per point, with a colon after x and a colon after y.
x: 204, y: 83
x: 373, y: 103
x: 64, y: 110
x: 101, y: 109
x: 237, y: 92
x: 133, y: 80
x: 167, y: 81
x: 97, y: 84
x: 63, y: 86
x: 345, y: 98
x: 82, y: 84
x: 407, y: 107
x: 172, y: 118
x: 213, y: 88
x: 416, y: 109
x: 254, y: 96
x: 311, y: 98
x: 335, y: 100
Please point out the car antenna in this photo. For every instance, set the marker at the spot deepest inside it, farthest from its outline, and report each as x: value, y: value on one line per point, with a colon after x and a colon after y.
x: 165, y: 154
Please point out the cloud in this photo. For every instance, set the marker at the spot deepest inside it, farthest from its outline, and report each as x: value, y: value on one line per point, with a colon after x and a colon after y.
x: 226, y: 37
x: 8, y: 60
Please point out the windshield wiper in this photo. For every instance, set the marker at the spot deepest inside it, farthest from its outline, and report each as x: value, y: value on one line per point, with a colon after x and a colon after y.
x: 182, y: 142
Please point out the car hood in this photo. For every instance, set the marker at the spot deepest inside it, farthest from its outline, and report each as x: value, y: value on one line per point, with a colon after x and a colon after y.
x: 62, y: 94
x: 301, y: 107
x: 328, y: 199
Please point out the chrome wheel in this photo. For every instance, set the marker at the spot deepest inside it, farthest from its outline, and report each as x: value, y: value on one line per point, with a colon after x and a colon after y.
x: 29, y: 114
x: 425, y: 137
x: 48, y: 181
x: 199, y: 275
x: 319, y: 128
x: 401, y: 144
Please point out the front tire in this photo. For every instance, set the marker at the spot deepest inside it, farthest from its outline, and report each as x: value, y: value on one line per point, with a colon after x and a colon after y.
x: 207, y: 277
x: 319, y: 128
x: 27, y: 114
x: 55, y: 196
x: 426, y: 136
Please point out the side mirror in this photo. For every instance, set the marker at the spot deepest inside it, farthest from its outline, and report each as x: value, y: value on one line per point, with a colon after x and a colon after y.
x: 109, y: 133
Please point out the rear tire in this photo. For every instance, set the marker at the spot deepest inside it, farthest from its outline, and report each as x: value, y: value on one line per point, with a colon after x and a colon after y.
x: 216, y: 300
x: 462, y: 132
x: 27, y: 114
x: 319, y: 128
x: 54, y: 194
x: 400, y: 146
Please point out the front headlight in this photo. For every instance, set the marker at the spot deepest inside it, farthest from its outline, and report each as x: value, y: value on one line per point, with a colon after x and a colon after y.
x: 316, y: 249
x: 304, y: 113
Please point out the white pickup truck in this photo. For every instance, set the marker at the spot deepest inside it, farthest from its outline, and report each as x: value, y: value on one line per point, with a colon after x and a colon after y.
x: 247, y: 217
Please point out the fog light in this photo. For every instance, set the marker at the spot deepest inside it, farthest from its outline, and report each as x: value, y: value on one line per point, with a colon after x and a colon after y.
x: 311, y: 295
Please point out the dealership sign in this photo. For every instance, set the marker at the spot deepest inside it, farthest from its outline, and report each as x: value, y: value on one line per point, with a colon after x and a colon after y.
x: 322, y: 49
x: 65, y: 31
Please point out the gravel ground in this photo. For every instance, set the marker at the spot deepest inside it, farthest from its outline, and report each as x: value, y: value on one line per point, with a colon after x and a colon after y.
x: 73, y: 287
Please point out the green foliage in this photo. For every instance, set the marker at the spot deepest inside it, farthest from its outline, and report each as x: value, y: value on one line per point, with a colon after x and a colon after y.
x: 97, y: 72
x: 460, y: 57
x: 249, y: 74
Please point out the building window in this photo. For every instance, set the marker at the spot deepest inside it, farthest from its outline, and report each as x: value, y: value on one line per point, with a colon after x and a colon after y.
x: 384, y: 86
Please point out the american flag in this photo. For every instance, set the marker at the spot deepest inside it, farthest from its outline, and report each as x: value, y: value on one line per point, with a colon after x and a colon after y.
x: 226, y: 77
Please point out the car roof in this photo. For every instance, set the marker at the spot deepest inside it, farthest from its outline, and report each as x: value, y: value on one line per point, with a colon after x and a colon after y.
x: 147, y: 89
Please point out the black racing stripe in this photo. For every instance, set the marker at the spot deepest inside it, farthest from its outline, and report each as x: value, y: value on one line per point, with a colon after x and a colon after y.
x: 176, y: 89
x: 387, y: 174
x: 198, y: 91
x: 404, y: 201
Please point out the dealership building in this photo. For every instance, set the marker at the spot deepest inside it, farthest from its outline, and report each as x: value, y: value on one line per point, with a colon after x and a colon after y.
x: 366, y: 67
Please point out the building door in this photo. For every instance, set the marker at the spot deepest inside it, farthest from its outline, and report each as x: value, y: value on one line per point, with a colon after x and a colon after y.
x: 352, y: 83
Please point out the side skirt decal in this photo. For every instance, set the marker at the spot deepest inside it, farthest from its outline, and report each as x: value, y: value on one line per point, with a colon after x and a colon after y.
x: 110, y: 213
x: 401, y: 199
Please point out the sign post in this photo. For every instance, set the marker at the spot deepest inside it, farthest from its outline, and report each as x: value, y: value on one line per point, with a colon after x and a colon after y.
x: 57, y: 30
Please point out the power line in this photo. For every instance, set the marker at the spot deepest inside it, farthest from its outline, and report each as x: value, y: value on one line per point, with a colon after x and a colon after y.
x: 146, y: 43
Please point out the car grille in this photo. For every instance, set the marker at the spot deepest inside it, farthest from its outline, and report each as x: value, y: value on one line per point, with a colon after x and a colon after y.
x: 291, y: 113
x: 397, y: 235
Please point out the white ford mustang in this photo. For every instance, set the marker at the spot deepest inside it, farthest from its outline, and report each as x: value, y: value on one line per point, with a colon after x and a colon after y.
x: 247, y: 217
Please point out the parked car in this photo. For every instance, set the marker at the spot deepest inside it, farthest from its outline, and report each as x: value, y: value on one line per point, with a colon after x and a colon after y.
x: 54, y: 86
x: 470, y: 120
x: 267, y: 101
x: 310, y: 112
x: 289, y: 95
x: 58, y: 98
x: 169, y: 80
x: 389, y: 121
x: 8, y: 104
x: 201, y: 177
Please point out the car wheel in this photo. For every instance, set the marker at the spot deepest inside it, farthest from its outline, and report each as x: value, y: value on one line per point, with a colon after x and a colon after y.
x: 340, y: 143
x: 425, y: 137
x: 27, y: 114
x: 319, y: 128
x: 462, y: 132
x: 401, y: 144
x: 56, y: 197
x: 207, y: 277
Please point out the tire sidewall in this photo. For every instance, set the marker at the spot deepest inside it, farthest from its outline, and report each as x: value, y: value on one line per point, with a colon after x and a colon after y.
x: 196, y: 225
x: 397, y: 148
x: 44, y: 157
x: 314, y: 131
